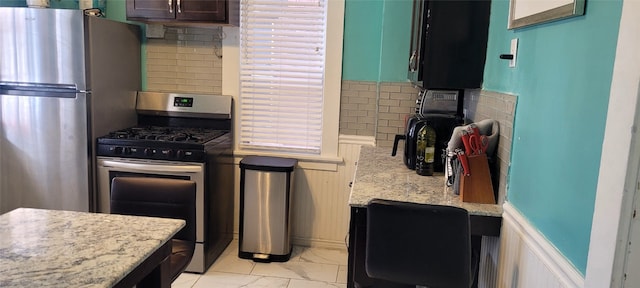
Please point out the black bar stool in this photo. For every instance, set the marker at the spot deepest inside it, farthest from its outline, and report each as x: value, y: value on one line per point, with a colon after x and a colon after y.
x: 419, y: 244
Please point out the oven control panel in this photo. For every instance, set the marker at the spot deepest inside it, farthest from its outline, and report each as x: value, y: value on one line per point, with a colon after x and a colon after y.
x: 143, y: 152
x: 184, y: 105
x: 183, y: 101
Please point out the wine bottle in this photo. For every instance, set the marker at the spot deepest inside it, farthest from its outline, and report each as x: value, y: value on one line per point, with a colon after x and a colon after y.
x: 425, y: 150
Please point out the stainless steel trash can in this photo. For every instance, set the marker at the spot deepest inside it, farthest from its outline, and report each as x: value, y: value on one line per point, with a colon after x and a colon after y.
x: 266, y: 185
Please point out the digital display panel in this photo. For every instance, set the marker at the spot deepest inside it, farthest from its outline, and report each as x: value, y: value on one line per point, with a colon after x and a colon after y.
x: 183, y: 102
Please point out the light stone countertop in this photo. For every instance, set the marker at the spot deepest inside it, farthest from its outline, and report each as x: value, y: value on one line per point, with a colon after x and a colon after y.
x: 379, y: 175
x: 50, y: 248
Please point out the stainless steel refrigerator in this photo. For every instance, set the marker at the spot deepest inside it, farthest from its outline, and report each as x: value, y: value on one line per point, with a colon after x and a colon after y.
x: 65, y: 79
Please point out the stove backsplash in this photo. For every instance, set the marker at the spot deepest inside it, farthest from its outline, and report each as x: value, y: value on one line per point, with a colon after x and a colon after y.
x: 186, y: 60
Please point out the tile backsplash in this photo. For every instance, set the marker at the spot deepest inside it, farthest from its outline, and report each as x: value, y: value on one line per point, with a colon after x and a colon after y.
x: 358, y: 108
x: 480, y: 105
x: 397, y: 102
x: 376, y: 109
x: 187, y: 60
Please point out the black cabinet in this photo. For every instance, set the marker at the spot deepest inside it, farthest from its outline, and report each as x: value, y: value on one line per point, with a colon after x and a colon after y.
x: 198, y: 11
x: 449, y: 43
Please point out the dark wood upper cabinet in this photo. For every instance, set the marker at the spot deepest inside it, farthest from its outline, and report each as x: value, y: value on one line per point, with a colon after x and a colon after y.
x: 187, y: 11
x: 449, y: 43
x: 200, y: 10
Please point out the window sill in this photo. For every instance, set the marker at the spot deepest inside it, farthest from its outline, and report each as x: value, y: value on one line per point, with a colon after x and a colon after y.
x: 322, y: 163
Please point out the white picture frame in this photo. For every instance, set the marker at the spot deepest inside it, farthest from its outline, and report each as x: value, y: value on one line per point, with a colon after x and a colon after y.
x: 523, y: 13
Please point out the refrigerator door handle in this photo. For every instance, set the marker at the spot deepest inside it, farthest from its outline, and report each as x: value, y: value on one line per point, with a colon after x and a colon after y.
x: 38, y: 90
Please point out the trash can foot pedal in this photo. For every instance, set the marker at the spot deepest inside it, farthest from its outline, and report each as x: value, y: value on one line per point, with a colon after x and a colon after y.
x: 259, y: 256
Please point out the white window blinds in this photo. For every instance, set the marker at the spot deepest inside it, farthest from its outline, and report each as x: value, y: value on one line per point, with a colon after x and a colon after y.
x: 282, y: 63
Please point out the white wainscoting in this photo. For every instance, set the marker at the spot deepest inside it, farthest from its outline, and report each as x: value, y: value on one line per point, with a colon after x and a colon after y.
x: 527, y: 259
x: 320, y: 201
x: 489, y: 255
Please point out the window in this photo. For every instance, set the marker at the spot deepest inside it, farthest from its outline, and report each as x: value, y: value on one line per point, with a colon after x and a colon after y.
x: 284, y: 82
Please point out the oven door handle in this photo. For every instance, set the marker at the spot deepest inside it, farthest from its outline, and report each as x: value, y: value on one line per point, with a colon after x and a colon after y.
x: 152, y: 167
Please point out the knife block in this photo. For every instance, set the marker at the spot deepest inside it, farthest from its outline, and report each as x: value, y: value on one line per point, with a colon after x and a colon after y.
x: 477, y: 187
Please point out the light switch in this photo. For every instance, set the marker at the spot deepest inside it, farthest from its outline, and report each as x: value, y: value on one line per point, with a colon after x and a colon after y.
x: 513, y: 51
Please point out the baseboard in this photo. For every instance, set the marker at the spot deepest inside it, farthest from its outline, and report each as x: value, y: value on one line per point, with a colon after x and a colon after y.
x: 319, y: 243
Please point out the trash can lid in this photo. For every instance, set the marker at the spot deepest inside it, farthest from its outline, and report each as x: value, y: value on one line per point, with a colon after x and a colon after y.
x: 266, y: 163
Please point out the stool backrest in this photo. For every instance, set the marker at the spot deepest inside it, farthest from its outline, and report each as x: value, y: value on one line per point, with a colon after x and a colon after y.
x: 418, y: 244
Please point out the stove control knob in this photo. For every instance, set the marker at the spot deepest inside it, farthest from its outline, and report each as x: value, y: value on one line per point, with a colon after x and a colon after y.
x: 171, y: 153
x: 127, y: 151
x: 180, y: 154
x: 118, y: 150
x: 149, y: 152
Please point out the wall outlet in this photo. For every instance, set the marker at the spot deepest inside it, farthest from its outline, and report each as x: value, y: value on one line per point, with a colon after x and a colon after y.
x: 513, y: 51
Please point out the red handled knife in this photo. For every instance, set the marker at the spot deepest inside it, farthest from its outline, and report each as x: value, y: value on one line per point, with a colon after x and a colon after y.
x: 464, y: 161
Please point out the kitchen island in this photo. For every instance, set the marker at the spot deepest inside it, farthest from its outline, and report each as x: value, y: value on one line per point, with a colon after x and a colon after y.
x: 379, y: 175
x: 51, y: 248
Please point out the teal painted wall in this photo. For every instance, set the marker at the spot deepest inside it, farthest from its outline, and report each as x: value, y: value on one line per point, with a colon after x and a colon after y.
x: 361, y: 46
x: 562, y: 81
x: 396, y: 40
x: 116, y: 10
x: 376, y: 40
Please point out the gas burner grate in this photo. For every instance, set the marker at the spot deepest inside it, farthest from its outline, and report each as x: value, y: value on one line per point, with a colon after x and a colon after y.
x: 167, y: 134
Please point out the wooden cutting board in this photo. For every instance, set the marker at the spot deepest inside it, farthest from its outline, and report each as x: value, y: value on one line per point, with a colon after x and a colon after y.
x: 477, y: 187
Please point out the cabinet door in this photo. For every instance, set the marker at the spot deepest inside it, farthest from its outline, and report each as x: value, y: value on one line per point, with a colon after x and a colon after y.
x: 415, y: 56
x: 151, y: 9
x: 455, y: 40
x: 201, y: 10
x: 449, y: 43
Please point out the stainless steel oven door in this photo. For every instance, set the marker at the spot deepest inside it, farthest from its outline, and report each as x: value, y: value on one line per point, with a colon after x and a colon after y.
x: 109, y: 167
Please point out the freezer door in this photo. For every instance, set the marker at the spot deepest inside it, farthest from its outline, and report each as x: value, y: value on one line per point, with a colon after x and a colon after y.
x: 42, y: 46
x: 45, y: 158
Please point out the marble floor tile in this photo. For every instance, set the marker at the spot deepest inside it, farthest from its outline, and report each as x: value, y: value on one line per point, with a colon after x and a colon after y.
x: 307, y: 267
x: 342, y: 274
x: 185, y: 280
x: 296, y: 252
x: 232, y: 280
x: 324, y: 256
x: 231, y: 263
x: 296, y: 283
x: 232, y: 248
x: 298, y: 270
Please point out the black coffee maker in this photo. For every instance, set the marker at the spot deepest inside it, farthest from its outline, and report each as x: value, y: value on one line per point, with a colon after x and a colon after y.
x: 442, y: 110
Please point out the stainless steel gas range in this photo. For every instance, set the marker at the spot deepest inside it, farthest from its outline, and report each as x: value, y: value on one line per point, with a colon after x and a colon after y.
x: 180, y: 136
